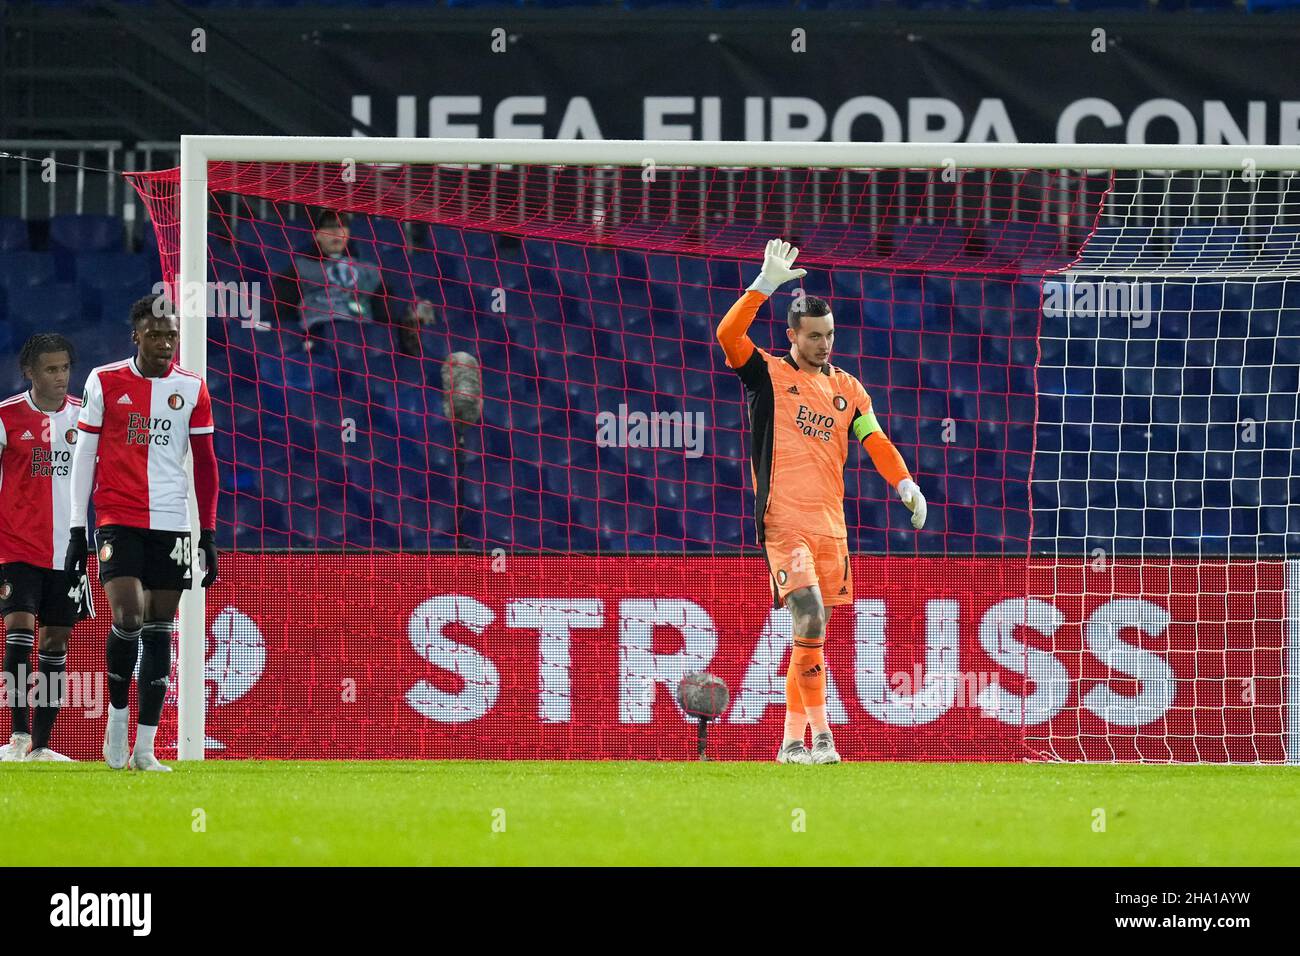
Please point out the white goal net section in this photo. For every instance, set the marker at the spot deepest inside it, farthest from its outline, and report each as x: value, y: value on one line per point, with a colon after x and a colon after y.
x: 1165, y: 473
x: 1086, y: 354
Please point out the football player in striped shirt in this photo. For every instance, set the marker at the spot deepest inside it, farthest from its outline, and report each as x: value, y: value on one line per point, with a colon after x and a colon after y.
x: 138, y: 419
x: 802, y: 411
x: 38, y: 429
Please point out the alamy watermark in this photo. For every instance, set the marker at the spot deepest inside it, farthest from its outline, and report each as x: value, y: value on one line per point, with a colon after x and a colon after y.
x: 84, y: 690
x: 939, y: 689
x: 626, y: 429
x: 223, y: 300
x: 1106, y: 299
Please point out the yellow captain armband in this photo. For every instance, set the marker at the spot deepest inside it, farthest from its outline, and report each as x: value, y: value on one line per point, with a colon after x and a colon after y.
x: 865, y: 425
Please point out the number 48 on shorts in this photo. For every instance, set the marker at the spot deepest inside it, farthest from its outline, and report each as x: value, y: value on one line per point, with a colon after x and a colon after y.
x: 180, y: 553
x: 162, y: 560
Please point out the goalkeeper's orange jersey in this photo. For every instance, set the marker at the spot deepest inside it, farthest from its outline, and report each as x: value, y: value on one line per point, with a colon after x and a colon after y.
x: 800, y: 423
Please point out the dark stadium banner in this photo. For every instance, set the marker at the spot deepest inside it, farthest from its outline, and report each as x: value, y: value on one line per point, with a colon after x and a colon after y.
x: 793, y: 77
x: 836, y: 75
x: 503, y: 656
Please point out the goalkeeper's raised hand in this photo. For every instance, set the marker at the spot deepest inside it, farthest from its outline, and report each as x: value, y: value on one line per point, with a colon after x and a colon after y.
x: 911, y: 496
x: 777, y: 260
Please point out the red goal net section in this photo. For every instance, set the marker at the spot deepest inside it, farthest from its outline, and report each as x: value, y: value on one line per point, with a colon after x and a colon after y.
x: 485, y: 480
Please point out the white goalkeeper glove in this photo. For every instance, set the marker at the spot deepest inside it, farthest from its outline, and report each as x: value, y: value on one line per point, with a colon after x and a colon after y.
x: 777, y: 260
x: 915, y: 501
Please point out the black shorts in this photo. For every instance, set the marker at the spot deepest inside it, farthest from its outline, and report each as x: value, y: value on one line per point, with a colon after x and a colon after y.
x: 162, y: 560
x: 39, y: 591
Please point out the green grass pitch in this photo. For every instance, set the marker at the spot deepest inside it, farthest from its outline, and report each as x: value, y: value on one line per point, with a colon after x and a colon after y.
x: 574, y: 813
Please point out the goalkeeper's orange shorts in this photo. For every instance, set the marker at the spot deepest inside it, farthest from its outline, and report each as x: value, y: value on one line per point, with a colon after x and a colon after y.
x: 798, y: 559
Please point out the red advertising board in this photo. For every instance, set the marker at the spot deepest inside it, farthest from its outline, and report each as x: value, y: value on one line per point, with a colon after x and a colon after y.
x: 413, y: 656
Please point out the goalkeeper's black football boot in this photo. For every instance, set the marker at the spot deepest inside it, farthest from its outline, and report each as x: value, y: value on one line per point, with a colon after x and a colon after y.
x: 824, y: 749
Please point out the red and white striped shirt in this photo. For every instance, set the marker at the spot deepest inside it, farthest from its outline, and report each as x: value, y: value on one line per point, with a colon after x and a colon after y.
x: 144, y: 427
x: 35, y: 462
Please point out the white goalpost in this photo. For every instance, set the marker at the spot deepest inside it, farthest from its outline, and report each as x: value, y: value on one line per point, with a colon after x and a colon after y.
x: 1224, y: 260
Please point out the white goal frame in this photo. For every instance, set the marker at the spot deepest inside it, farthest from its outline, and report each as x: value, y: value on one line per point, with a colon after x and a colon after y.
x: 199, y: 150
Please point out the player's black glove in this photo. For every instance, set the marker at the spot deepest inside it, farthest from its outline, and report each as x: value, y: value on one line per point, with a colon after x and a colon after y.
x: 209, y: 557
x: 74, y: 563
x: 83, y: 598
x: 74, y: 566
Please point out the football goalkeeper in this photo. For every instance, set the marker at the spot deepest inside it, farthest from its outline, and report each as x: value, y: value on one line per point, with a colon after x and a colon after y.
x: 801, y: 412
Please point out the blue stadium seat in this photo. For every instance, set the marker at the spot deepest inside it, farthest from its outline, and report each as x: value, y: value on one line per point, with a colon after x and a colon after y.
x: 663, y: 268
x: 304, y: 531
x: 73, y: 233
x: 631, y: 264
x: 490, y: 273
x: 550, y: 336
x: 420, y: 265
x: 442, y: 239
x: 329, y: 528
x: 540, y: 281
x: 13, y: 234
x: 479, y: 244
x: 539, y: 252
x: 270, y: 395
x: 1122, y: 243
x: 112, y: 271
x: 633, y: 292
x: 260, y: 263
x: 381, y: 233
x: 1205, y: 246
x: 40, y: 307
x: 274, y: 235
x: 26, y: 269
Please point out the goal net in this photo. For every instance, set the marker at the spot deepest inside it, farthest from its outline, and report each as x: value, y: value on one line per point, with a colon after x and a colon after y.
x: 485, y: 478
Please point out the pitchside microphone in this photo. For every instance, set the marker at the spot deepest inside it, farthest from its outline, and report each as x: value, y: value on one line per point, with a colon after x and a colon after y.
x: 462, y: 403
x: 703, y: 696
x: 462, y: 390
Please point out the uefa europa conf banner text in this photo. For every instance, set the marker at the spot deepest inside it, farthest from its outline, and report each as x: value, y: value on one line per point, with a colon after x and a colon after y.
x: 414, y: 656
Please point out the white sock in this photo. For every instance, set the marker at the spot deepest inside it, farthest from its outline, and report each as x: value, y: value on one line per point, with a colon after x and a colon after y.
x: 144, y: 738
x: 817, y: 720
x: 118, y: 716
x: 796, y: 726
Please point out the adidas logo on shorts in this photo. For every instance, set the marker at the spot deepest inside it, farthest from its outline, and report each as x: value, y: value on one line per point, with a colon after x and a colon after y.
x: 844, y: 590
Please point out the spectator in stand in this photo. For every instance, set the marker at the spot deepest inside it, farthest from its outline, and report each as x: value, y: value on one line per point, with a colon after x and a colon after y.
x: 331, y: 285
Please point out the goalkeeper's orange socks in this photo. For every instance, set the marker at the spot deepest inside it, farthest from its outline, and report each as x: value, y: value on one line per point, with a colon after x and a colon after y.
x: 806, y: 683
x: 796, y: 721
x: 809, y: 671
